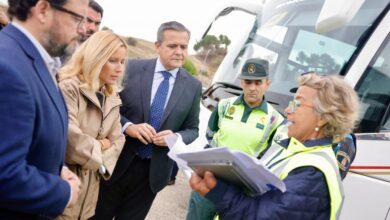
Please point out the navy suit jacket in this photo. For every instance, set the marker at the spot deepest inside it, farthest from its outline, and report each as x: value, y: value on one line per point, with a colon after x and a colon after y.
x: 181, y: 115
x: 33, y: 132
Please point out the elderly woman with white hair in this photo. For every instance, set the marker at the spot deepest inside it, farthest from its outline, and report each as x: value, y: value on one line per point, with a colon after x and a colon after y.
x: 323, y: 111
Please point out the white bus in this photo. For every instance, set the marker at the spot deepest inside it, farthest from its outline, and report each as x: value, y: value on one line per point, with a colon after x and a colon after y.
x: 349, y: 38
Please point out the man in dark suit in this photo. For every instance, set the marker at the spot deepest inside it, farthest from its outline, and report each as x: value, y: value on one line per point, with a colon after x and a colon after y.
x: 33, y: 132
x: 94, y: 19
x: 143, y: 168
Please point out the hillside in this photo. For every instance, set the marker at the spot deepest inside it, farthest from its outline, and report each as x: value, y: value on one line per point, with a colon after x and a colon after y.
x: 140, y: 49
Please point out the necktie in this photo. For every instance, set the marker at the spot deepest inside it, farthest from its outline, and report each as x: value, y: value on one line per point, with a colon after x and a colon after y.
x: 156, y: 112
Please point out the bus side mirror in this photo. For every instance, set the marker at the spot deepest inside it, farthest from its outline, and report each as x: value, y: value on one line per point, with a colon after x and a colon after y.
x: 335, y: 14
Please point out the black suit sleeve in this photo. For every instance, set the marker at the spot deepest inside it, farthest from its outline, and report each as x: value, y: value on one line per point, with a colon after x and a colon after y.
x: 124, y: 120
x: 190, y: 127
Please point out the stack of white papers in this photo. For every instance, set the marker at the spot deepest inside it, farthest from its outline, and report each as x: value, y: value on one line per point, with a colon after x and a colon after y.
x: 250, y: 168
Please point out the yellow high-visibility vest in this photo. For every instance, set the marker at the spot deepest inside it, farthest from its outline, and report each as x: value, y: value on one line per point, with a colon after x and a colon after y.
x: 296, y: 155
x: 251, y: 136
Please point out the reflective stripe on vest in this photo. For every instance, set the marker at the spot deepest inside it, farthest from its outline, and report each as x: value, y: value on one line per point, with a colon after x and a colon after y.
x: 250, y: 136
x: 283, y: 161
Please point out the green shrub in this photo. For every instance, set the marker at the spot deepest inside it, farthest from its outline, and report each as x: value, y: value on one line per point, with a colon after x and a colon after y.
x: 190, y: 67
x: 106, y: 29
x: 131, y: 41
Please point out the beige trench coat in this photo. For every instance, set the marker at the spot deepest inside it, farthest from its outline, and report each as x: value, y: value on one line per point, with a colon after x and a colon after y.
x: 89, y: 122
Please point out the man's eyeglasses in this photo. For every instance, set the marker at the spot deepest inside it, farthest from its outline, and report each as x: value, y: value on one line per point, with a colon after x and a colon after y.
x: 295, y: 104
x: 79, y: 18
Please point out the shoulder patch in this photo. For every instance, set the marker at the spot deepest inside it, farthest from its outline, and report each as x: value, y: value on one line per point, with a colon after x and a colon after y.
x: 343, y: 160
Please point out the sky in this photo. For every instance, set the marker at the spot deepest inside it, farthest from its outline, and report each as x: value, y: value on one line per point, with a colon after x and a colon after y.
x: 142, y: 18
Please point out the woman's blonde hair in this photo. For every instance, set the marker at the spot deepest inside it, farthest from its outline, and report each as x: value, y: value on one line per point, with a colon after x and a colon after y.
x: 336, y: 103
x: 88, y: 61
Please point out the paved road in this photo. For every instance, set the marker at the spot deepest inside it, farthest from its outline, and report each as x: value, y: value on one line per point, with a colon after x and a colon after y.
x: 171, y: 203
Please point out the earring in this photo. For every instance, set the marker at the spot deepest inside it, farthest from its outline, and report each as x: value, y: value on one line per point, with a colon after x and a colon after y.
x: 316, y: 129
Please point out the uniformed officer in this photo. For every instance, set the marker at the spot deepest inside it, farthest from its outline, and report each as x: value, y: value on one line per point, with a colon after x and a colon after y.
x: 245, y: 123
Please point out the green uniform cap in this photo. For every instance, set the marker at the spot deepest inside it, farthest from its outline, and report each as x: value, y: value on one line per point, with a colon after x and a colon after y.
x: 254, y: 69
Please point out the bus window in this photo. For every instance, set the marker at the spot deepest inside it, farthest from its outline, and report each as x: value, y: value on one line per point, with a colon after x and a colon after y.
x: 239, y: 22
x: 374, y: 91
x: 327, y: 57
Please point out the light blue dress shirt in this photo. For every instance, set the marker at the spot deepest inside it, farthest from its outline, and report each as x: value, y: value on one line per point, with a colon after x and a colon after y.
x: 157, y: 79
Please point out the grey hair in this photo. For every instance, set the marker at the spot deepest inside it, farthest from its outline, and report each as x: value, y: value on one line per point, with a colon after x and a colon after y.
x: 336, y: 103
x: 171, y: 25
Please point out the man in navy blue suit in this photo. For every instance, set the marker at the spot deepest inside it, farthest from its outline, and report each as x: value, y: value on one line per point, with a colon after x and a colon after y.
x: 159, y: 98
x: 33, y: 131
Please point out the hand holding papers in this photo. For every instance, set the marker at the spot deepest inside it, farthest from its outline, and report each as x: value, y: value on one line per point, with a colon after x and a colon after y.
x: 177, y: 146
x: 231, y: 166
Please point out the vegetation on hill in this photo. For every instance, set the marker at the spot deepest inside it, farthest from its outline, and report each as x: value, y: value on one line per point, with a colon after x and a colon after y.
x: 190, y: 67
x: 211, y: 45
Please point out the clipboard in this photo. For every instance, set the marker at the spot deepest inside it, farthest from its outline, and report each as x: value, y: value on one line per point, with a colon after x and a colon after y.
x: 234, y: 167
x: 227, y: 171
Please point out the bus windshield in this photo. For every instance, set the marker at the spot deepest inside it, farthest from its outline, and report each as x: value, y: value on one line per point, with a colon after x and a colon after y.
x: 284, y: 34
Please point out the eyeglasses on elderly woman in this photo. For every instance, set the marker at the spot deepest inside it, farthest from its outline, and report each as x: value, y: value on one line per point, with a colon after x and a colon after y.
x: 295, y: 104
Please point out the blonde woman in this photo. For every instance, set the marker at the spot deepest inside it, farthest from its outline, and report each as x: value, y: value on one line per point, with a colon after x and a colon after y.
x: 323, y: 111
x: 90, y: 83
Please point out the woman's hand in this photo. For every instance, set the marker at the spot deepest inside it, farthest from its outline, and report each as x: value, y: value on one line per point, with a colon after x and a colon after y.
x: 105, y: 144
x: 203, y: 185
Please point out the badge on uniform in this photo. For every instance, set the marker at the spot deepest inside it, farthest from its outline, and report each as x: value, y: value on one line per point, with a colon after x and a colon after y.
x: 272, y: 119
x: 262, y: 120
x: 228, y: 117
x: 343, y: 160
x: 260, y: 126
x: 231, y: 110
x: 251, y: 68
